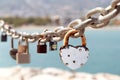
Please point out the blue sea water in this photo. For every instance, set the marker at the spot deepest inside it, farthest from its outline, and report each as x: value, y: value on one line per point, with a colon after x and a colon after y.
x: 104, y: 46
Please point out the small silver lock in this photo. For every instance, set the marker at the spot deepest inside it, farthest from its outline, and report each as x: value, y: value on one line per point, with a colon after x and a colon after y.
x: 53, y: 45
x: 23, y: 56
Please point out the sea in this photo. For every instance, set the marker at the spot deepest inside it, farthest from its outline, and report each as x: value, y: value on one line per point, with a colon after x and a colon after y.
x: 104, y: 50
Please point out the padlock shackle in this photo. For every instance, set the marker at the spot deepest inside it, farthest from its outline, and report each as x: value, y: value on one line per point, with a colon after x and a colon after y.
x: 40, y: 41
x: 12, y: 43
x: 26, y: 43
x: 72, y: 32
x: 20, y: 40
x: 3, y: 33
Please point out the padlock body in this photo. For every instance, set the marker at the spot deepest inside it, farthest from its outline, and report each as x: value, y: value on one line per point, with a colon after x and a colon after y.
x: 13, y: 53
x: 3, y: 37
x: 23, y: 58
x: 53, y: 45
x: 42, y: 48
x: 74, y: 57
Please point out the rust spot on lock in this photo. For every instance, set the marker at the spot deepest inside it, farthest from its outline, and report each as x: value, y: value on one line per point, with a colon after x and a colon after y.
x: 81, y: 64
x: 22, y: 48
x: 66, y: 63
x: 74, y: 61
x: 68, y: 55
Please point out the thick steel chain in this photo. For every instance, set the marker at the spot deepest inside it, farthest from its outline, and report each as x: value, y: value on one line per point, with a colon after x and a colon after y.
x: 105, y: 15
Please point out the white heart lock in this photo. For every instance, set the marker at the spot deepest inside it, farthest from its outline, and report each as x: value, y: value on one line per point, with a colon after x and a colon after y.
x: 74, y: 57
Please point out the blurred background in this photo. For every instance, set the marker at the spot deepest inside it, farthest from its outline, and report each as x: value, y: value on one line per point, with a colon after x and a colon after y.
x: 104, y: 44
x: 42, y: 12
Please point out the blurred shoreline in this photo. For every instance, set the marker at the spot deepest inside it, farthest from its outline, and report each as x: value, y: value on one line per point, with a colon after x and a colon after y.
x: 20, y: 73
x: 34, y: 27
x: 50, y: 27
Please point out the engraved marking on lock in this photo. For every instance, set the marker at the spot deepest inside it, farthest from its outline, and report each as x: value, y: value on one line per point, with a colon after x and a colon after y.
x: 74, y: 56
x: 53, y: 45
x: 80, y: 49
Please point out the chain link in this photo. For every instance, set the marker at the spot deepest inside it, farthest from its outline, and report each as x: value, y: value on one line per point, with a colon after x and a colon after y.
x: 103, y: 18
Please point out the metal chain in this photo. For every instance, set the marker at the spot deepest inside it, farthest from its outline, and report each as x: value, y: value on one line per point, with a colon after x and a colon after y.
x: 103, y: 18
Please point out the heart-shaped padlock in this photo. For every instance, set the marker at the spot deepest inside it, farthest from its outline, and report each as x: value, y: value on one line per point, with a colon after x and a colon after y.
x: 13, y: 50
x: 74, y: 56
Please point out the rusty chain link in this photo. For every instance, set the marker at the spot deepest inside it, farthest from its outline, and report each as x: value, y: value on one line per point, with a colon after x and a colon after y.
x: 103, y: 18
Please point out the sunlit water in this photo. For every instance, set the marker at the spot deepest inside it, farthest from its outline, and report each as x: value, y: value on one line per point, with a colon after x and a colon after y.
x: 104, y: 46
